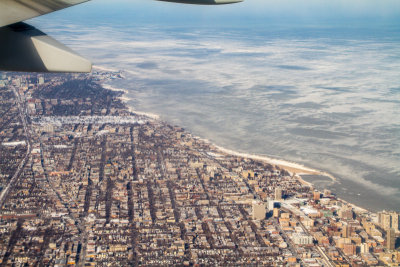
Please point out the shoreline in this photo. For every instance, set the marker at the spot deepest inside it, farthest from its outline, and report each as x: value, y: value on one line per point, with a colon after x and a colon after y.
x: 295, y: 169
x: 302, y: 181
x: 286, y: 165
x: 114, y: 89
x: 292, y: 167
x: 355, y: 207
x: 125, y: 99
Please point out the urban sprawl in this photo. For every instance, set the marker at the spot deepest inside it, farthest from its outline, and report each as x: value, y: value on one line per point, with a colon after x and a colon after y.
x: 86, y: 182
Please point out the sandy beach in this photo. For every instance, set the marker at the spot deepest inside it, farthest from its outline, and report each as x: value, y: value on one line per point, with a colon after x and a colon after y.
x: 292, y: 167
x: 295, y: 169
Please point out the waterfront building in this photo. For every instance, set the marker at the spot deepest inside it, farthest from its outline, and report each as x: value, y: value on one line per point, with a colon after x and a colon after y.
x: 389, y: 220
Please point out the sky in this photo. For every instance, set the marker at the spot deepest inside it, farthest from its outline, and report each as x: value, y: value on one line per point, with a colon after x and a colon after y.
x: 249, y: 11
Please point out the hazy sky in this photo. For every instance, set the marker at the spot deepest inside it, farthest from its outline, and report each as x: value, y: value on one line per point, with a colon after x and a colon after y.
x: 249, y: 11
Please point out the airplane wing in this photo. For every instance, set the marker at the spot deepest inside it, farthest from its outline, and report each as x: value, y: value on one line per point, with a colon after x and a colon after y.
x: 25, y: 48
x: 13, y: 11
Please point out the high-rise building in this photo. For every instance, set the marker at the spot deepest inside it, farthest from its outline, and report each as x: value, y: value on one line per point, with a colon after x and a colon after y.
x: 317, y: 195
x: 385, y: 220
x: 273, y: 204
x: 346, y: 231
x: 394, y: 216
x: 390, y: 239
x: 276, y: 213
x: 369, y: 227
x: 389, y: 220
x: 258, y: 210
x: 278, y: 193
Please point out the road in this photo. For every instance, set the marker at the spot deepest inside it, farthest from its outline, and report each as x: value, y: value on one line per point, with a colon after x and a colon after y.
x: 23, y: 112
